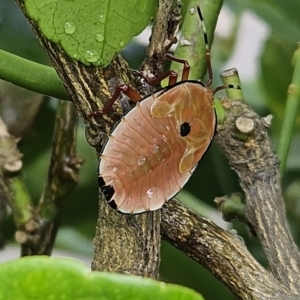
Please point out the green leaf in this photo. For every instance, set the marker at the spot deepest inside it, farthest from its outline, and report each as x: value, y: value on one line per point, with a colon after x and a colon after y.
x: 276, y: 67
x: 91, y: 31
x: 41, y: 277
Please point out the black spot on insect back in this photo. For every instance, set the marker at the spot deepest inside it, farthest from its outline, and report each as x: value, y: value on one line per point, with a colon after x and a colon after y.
x: 185, y: 129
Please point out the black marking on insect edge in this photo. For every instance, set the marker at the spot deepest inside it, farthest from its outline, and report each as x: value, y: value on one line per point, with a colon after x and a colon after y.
x: 107, y: 190
x: 112, y: 204
x: 101, y: 181
x: 185, y: 129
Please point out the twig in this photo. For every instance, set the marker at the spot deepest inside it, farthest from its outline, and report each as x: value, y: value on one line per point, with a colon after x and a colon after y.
x: 30, y: 75
x: 167, y: 18
x: 10, y: 166
x: 221, y: 252
x: 252, y: 158
x: 191, y: 44
x: 40, y: 231
x: 290, y: 115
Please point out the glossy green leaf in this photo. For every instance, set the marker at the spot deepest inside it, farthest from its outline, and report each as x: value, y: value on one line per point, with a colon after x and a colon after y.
x: 91, y: 31
x: 41, y: 277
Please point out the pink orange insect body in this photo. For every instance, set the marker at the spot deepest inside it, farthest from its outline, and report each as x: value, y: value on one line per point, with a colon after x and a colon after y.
x: 151, y: 154
x: 156, y: 146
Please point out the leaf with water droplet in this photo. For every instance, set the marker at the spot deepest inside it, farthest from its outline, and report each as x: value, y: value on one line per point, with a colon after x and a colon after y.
x: 91, y: 31
x: 92, y: 56
x: 70, y: 27
x: 100, y: 37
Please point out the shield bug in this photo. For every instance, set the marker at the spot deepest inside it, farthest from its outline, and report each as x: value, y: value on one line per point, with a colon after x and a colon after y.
x: 154, y: 149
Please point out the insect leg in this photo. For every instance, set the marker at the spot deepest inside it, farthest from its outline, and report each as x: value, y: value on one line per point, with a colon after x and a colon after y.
x: 186, y: 66
x: 171, y: 74
x: 123, y: 88
x: 154, y: 81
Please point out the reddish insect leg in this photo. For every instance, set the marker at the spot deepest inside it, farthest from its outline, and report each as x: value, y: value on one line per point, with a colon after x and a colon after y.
x: 171, y: 74
x: 123, y: 88
x: 154, y: 81
x: 186, y: 66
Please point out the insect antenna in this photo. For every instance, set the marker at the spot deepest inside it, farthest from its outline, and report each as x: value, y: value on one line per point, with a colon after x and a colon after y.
x: 208, y: 59
x: 207, y: 51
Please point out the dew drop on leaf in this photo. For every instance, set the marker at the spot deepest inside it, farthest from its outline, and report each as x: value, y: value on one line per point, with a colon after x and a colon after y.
x: 100, y: 26
x: 100, y: 37
x: 92, y: 56
x: 102, y: 19
x: 69, y: 27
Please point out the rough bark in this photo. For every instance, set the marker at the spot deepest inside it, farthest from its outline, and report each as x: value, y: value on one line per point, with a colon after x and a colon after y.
x: 38, y: 234
x: 223, y: 253
x: 252, y: 158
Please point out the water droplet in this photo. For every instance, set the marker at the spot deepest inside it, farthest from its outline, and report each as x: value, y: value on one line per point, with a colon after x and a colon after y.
x: 141, y: 160
x: 158, y: 153
x: 121, y: 44
x: 100, y: 37
x: 102, y: 19
x: 155, y: 148
x: 69, y: 27
x: 164, y: 138
x: 92, y: 56
x: 150, y: 193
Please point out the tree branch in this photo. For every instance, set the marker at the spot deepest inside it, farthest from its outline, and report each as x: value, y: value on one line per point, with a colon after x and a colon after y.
x: 252, y: 158
x: 165, y: 25
x: 40, y: 231
x: 10, y: 166
x: 222, y: 253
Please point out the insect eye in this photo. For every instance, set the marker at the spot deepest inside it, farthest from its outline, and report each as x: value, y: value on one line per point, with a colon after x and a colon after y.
x: 185, y: 129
